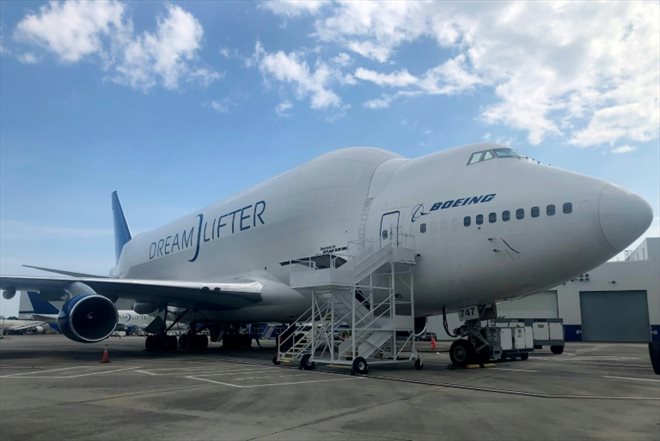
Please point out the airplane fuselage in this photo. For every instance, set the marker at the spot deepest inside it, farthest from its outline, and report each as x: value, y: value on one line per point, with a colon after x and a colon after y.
x: 494, y: 229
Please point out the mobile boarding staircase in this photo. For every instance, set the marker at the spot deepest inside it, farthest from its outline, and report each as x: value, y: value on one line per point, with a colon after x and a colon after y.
x: 362, y: 312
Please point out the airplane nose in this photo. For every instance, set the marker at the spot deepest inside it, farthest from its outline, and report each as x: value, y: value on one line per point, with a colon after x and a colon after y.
x: 624, y: 216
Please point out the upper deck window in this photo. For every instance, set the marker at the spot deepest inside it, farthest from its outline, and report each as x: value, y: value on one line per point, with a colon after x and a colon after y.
x: 494, y: 153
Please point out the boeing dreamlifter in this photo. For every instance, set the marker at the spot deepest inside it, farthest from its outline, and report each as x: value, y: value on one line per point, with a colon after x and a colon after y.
x: 488, y: 225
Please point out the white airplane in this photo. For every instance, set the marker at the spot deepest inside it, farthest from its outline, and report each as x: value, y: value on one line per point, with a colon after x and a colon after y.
x: 489, y: 225
x: 18, y: 326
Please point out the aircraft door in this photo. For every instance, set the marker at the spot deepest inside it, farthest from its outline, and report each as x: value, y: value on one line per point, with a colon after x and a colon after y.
x: 389, y: 228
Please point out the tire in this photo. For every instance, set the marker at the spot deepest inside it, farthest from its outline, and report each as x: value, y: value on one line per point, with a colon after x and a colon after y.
x: 419, y: 364
x: 276, y: 362
x: 171, y: 343
x: 150, y: 344
x: 229, y: 341
x: 557, y: 349
x: 184, y: 342
x: 360, y: 366
x: 483, y: 356
x: 654, y: 353
x: 462, y: 353
x: 524, y: 356
x: 201, y: 342
x: 305, y: 363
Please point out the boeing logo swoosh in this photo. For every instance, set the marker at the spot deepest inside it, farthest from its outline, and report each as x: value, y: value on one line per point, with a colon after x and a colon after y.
x: 417, y: 212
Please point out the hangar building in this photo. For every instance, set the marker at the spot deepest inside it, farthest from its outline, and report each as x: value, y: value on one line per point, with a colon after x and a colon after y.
x: 616, y: 302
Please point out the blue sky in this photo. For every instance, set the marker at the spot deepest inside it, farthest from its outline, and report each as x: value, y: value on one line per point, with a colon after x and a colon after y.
x: 177, y: 105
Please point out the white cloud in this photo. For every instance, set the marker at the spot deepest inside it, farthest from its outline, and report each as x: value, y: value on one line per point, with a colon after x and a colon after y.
x: 399, y: 78
x: 378, y: 103
x: 72, y: 29
x: 623, y: 149
x: 163, y: 55
x: 221, y: 106
x: 283, y: 108
x: 75, y: 30
x: 307, y: 82
x: 293, y: 8
x: 586, y: 72
x: 28, y: 58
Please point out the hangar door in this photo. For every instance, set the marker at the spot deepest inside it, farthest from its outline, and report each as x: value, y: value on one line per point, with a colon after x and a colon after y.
x: 614, y: 316
x: 539, y: 305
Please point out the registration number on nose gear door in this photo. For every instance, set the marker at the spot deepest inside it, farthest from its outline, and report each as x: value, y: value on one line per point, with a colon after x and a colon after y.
x: 468, y: 313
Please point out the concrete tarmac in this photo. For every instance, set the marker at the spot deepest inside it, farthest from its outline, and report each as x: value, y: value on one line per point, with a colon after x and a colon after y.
x: 55, y: 389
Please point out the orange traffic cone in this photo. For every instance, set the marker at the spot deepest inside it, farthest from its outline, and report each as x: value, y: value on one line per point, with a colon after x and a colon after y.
x: 106, y: 356
x: 433, y: 343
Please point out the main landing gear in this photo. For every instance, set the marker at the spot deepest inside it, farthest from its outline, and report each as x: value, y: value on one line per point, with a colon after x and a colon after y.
x: 161, y: 342
x: 232, y: 338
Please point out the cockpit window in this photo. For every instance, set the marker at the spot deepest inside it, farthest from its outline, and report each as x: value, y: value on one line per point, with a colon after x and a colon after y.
x: 476, y: 157
x: 495, y: 153
x: 507, y: 153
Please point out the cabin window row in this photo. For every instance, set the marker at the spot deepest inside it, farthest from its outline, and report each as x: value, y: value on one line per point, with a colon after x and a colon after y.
x: 550, y: 210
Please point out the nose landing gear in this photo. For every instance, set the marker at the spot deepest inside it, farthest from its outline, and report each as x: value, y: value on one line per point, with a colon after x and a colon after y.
x: 474, y: 348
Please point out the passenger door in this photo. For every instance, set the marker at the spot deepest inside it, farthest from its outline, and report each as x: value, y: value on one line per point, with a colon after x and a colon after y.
x: 389, y: 229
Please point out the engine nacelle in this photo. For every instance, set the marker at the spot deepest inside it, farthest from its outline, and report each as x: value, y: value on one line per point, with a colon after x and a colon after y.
x: 87, y: 318
x: 9, y: 294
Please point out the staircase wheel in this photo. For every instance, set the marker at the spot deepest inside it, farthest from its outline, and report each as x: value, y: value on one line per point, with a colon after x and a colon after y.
x: 276, y: 362
x: 360, y: 366
x: 306, y: 364
x: 419, y: 364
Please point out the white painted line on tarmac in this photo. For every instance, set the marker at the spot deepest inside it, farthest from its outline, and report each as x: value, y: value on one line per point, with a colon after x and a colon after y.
x: 44, y: 371
x: 32, y: 376
x: 303, y: 382
x: 213, y: 381
x: 631, y: 378
x: 515, y: 370
x: 205, y: 373
x: 288, y: 383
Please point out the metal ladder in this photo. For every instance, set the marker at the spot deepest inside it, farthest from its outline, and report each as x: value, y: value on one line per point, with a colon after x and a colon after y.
x: 364, y: 312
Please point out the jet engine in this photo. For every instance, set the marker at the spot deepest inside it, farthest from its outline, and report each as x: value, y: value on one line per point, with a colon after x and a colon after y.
x: 87, y: 318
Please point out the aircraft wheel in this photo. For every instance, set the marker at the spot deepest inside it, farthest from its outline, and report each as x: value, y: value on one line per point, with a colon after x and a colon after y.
x: 150, y: 344
x: 462, y: 353
x: 360, y: 366
x: 557, y: 349
x: 483, y: 356
x: 171, y: 343
x: 203, y: 342
x: 654, y: 353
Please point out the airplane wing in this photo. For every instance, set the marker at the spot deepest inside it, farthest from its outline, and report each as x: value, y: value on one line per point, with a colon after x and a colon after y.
x: 203, y: 295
